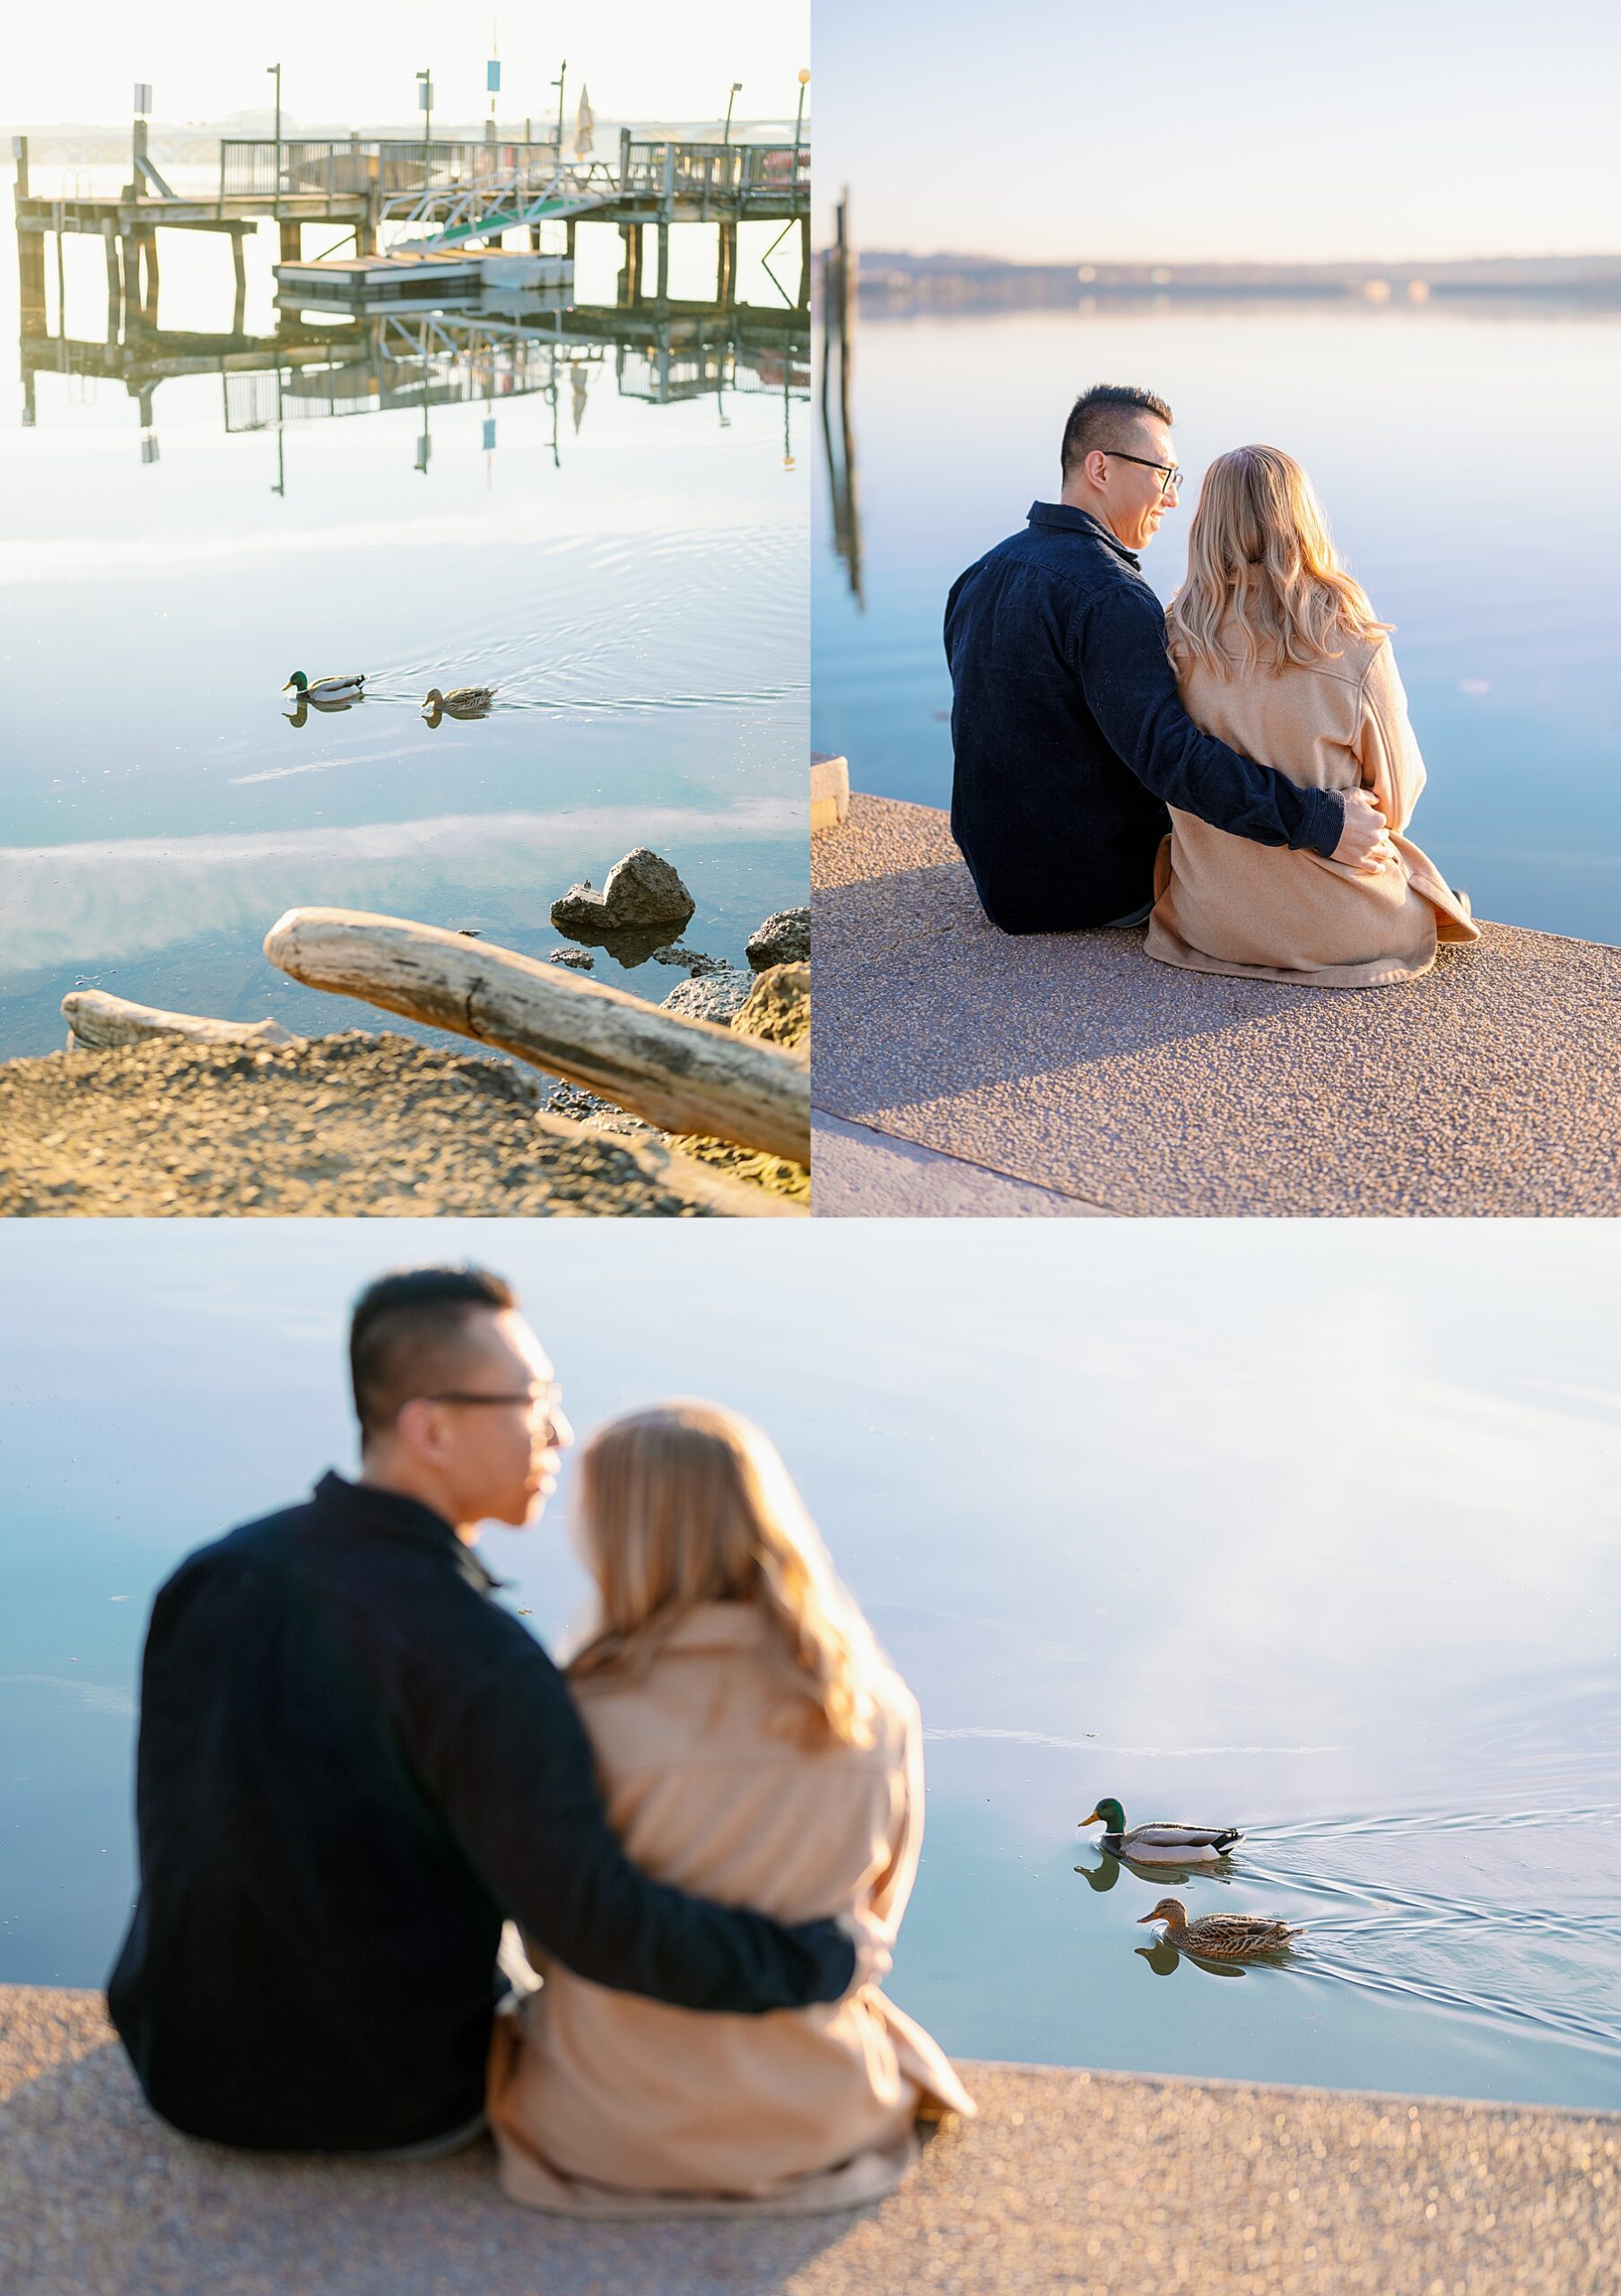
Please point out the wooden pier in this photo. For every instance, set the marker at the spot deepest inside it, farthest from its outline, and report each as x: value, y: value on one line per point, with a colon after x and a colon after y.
x: 430, y: 199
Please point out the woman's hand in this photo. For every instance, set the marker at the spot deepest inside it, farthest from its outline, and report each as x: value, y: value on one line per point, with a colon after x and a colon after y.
x: 1364, y: 843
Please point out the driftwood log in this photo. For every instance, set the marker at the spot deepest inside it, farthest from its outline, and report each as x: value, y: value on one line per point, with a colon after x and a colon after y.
x: 683, y: 1075
x: 98, y: 1019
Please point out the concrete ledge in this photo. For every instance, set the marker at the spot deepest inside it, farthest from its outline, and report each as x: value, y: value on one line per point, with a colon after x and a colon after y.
x: 1099, y: 2182
x: 861, y: 1174
x: 1073, y: 1062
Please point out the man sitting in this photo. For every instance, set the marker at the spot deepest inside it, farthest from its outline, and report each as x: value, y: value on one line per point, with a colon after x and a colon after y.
x: 1070, y: 739
x: 353, y: 1763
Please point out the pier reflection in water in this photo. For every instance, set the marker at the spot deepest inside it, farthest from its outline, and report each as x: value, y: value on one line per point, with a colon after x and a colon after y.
x: 595, y: 507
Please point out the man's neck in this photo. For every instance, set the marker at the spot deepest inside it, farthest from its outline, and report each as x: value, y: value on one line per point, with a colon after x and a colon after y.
x: 397, y: 1478
x: 1094, y: 508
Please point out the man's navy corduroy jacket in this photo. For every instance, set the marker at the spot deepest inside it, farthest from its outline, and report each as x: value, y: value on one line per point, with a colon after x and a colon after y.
x: 1070, y: 741
x: 353, y: 1764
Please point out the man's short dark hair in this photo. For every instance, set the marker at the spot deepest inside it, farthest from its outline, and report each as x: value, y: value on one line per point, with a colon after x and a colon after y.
x: 405, y: 1332
x: 1103, y: 417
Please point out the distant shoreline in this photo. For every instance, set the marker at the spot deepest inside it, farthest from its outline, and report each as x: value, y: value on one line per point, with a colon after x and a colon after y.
x: 903, y: 281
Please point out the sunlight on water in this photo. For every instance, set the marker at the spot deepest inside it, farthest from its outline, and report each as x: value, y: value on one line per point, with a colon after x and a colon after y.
x: 1495, y: 553
x: 612, y: 541
x: 1306, y: 1529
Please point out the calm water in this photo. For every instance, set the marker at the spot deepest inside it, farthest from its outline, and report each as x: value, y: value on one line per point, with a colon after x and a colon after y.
x: 1310, y: 1530
x: 629, y: 575
x: 1495, y: 548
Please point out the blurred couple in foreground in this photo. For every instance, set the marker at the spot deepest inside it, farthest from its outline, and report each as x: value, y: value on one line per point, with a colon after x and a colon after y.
x: 1238, y: 773
x: 356, y: 1765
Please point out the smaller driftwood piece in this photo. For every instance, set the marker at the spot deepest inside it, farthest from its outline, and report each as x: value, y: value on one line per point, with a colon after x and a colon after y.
x: 97, y: 1020
x: 683, y: 1075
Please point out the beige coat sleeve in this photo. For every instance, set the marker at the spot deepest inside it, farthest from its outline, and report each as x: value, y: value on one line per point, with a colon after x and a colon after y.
x: 894, y: 1885
x: 1386, y: 746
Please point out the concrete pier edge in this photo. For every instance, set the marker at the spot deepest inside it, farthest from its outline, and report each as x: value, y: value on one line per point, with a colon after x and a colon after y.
x: 1070, y: 2180
x: 1072, y: 1065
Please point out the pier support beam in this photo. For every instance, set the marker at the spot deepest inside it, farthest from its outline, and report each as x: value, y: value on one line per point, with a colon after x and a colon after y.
x: 365, y: 236
x: 726, y: 263
x: 569, y: 227
x: 292, y: 242
x: 143, y: 255
x: 115, y: 282
x: 630, y: 273
x: 31, y: 276
x: 662, y: 288
x: 238, y: 266
x: 804, y: 262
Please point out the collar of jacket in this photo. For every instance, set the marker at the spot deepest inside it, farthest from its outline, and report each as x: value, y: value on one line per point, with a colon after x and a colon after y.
x: 361, y: 1506
x: 1071, y: 520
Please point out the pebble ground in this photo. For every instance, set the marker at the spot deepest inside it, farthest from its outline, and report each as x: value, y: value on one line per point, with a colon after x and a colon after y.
x: 1070, y: 2184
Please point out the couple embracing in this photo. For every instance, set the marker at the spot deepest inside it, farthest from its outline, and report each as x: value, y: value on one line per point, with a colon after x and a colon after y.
x: 1239, y: 773
x: 402, y: 1879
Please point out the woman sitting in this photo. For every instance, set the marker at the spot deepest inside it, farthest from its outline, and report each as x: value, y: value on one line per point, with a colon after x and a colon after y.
x: 753, y: 1745
x: 1279, y: 653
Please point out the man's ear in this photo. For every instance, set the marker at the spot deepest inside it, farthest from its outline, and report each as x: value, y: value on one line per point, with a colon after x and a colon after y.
x: 1097, y: 466
x: 416, y: 1427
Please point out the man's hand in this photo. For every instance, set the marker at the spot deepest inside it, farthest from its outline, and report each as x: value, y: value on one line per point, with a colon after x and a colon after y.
x: 1364, y: 843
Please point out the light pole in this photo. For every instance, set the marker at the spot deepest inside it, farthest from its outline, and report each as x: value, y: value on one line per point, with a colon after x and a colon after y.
x: 425, y: 97
x: 731, y: 100
x: 799, y: 122
x: 274, y: 70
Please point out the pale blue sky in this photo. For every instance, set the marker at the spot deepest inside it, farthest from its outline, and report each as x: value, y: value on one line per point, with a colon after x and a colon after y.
x: 1057, y: 130
x: 349, y: 59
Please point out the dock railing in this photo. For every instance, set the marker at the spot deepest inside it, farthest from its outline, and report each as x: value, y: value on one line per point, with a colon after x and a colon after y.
x: 730, y: 171
x: 249, y: 165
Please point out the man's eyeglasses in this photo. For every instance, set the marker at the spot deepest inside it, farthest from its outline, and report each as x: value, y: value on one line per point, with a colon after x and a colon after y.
x: 1173, y: 476
x: 542, y: 1406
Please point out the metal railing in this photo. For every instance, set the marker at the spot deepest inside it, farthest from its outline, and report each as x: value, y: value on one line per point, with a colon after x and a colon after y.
x: 248, y: 166
x: 729, y: 171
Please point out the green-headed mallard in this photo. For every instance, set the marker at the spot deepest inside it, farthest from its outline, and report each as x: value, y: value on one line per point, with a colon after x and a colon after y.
x: 461, y: 701
x: 1221, y: 1936
x: 1161, y: 1845
x: 346, y: 689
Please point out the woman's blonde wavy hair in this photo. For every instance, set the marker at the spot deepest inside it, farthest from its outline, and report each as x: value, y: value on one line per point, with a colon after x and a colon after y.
x: 685, y: 1503
x: 1263, y: 571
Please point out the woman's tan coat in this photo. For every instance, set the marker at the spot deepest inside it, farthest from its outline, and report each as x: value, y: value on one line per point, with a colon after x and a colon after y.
x: 599, y: 2099
x: 1225, y: 905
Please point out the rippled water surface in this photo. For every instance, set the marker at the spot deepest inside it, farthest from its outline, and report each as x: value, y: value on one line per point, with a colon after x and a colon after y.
x: 1504, y: 590
x: 628, y: 575
x: 1311, y: 1531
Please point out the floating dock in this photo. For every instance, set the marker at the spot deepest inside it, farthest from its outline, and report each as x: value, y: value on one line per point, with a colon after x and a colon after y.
x: 364, y: 279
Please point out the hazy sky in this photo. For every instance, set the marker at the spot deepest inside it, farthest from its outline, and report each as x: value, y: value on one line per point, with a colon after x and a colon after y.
x: 344, y: 58
x: 1055, y: 130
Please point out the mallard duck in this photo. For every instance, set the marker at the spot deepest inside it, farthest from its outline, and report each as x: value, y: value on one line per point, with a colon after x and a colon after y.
x: 346, y: 689
x: 461, y: 701
x: 1161, y: 1845
x: 1221, y: 1936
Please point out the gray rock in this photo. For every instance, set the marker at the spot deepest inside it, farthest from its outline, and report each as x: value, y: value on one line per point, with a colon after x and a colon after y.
x: 641, y: 890
x: 693, y: 960
x: 577, y: 959
x: 715, y: 996
x: 784, y: 939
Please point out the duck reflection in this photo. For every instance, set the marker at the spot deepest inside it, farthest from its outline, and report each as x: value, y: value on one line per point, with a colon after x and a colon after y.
x: 1164, y: 1961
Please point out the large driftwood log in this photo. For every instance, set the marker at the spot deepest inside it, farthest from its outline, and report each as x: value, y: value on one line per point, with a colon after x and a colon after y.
x: 98, y: 1019
x: 680, y: 1074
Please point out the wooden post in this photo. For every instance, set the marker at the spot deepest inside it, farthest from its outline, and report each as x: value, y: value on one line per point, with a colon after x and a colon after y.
x: 115, y: 281
x: 31, y: 276
x: 569, y: 229
x: 149, y: 283
x: 804, y: 261
x: 365, y: 234
x: 663, y: 288
x: 629, y: 274
x: 292, y: 241
x: 19, y: 152
x: 726, y: 263
x: 685, y: 1077
x: 238, y: 265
